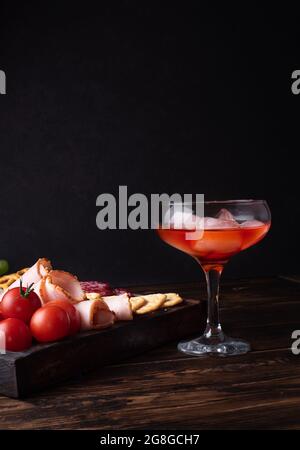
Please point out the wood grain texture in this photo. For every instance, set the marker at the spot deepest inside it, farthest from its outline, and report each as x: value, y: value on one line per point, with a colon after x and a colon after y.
x: 42, y: 365
x: 165, y: 389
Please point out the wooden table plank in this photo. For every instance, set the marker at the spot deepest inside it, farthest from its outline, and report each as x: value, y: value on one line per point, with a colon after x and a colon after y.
x: 189, y: 394
x: 165, y: 389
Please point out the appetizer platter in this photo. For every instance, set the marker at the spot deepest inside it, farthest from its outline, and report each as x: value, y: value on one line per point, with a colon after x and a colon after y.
x: 53, y: 326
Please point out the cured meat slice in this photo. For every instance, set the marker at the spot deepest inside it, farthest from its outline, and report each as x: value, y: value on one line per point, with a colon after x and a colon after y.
x: 33, y: 275
x: 96, y: 286
x: 68, y: 283
x: 102, y: 288
x: 95, y: 315
x: 120, y: 305
x: 38, y: 288
x: 59, y: 285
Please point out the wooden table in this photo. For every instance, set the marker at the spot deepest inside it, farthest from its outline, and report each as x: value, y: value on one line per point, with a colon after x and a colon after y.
x: 165, y: 389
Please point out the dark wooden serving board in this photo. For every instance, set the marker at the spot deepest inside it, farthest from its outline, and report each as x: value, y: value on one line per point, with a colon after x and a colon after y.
x: 26, y: 372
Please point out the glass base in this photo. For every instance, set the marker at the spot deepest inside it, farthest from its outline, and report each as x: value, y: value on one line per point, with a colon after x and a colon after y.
x: 206, y: 346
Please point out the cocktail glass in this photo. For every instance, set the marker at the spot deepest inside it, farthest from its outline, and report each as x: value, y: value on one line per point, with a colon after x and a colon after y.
x: 224, y: 229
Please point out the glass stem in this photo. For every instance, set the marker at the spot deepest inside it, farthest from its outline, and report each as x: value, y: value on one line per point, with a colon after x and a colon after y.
x: 213, y: 330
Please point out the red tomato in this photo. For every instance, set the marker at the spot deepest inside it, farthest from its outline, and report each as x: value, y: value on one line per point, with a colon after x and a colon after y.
x: 50, y: 323
x: 20, y: 303
x: 16, y: 334
x: 72, y: 312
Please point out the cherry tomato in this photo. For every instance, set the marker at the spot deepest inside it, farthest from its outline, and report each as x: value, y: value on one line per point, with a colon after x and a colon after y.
x: 50, y: 323
x: 72, y: 312
x: 15, y: 335
x: 20, y: 303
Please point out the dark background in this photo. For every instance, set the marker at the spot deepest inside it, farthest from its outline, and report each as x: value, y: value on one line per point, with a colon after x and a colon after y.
x: 161, y: 99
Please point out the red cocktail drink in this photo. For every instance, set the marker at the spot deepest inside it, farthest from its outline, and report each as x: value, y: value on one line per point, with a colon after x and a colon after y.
x: 227, y: 228
x: 214, y: 245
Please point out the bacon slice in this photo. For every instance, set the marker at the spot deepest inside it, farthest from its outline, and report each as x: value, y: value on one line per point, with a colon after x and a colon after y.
x: 95, y: 315
x: 38, y: 288
x: 67, y: 282
x: 33, y: 275
x: 59, y: 285
x: 120, y: 305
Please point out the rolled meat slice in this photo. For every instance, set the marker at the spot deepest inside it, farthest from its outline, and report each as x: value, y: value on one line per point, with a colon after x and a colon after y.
x: 33, y: 275
x: 38, y: 289
x: 59, y: 285
x: 120, y: 305
x: 95, y: 315
x: 68, y: 283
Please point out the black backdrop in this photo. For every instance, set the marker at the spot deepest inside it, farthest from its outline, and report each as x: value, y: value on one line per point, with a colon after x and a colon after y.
x: 166, y: 99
